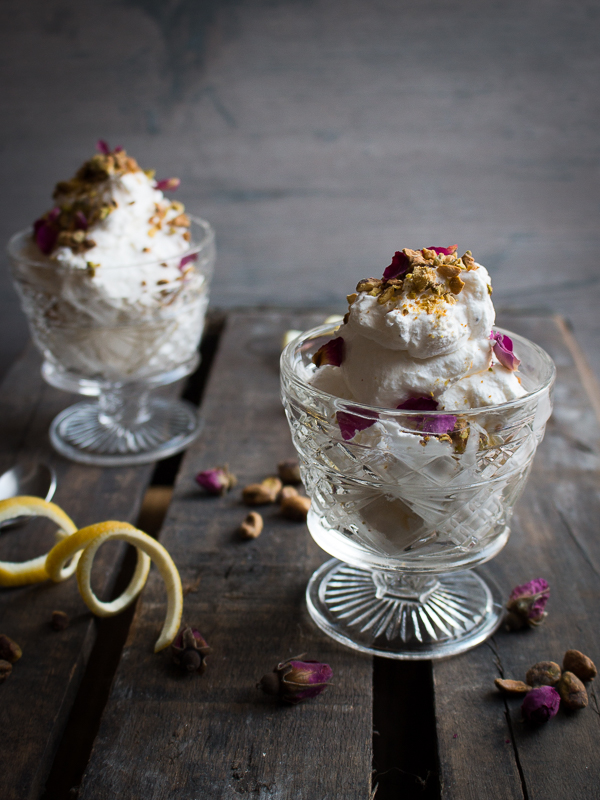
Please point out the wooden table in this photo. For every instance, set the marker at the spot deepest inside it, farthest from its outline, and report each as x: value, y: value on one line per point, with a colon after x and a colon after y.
x: 91, y: 712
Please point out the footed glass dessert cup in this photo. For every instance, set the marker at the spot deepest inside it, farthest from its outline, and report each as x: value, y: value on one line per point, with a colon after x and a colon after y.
x: 114, y: 334
x: 408, y: 502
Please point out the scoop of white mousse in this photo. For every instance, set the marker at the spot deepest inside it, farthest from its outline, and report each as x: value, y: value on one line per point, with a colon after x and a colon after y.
x: 403, y: 323
x: 124, y: 236
x: 399, y: 349
x: 490, y: 388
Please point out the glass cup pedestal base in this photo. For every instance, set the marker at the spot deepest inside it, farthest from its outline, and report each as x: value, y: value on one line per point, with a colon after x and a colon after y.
x: 124, y: 426
x: 405, y: 616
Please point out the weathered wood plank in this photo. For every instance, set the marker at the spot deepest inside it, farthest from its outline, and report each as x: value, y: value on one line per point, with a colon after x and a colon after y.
x: 485, y: 749
x: 36, y: 700
x: 167, y: 735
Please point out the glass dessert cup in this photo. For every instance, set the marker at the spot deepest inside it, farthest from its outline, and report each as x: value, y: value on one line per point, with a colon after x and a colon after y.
x: 115, y: 335
x: 408, y: 512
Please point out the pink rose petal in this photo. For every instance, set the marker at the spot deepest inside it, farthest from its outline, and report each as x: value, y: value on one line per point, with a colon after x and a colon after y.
x: 442, y: 423
x: 503, y: 350
x: 444, y: 251
x: 332, y: 352
x: 187, y: 259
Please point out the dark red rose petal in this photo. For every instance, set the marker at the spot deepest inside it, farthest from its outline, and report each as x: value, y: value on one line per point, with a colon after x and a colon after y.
x: 418, y: 404
x: 81, y: 220
x: 332, y: 352
x: 103, y: 147
x: 350, y: 423
x: 398, y: 268
x: 45, y: 237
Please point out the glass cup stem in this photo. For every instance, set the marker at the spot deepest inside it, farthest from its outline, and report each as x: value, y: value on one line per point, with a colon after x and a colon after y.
x: 124, y: 406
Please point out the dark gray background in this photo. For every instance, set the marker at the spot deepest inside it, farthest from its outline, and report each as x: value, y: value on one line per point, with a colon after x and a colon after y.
x: 318, y: 136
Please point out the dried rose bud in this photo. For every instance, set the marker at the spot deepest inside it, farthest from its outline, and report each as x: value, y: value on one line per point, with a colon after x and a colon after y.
x: 167, y: 184
x: 252, y: 526
x: 572, y: 691
x: 512, y: 687
x: 540, y: 704
x: 189, y: 650
x: 526, y: 604
x: 289, y: 471
x: 503, y: 350
x: 544, y: 673
x: 216, y: 481
x: 295, y: 507
x: 259, y: 494
x: 579, y: 665
x: 5, y: 669
x: 9, y: 650
x: 59, y: 620
x: 295, y: 680
x: 332, y: 352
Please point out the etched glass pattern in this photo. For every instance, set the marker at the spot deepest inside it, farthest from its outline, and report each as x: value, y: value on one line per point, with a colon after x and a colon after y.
x: 393, y: 500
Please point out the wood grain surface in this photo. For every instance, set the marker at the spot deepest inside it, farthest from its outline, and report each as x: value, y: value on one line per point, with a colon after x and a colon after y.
x: 485, y: 749
x: 170, y: 735
x: 36, y: 700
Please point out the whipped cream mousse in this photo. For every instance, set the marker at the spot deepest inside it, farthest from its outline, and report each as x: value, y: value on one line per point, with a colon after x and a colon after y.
x: 111, y: 281
x: 422, y: 332
x: 420, y: 339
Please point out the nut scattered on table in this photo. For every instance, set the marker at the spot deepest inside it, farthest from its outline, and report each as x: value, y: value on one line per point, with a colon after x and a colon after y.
x: 260, y: 494
x: 59, y: 621
x: 572, y: 691
x: 289, y: 471
x: 512, y: 687
x: 252, y: 526
x: 544, y: 673
x: 295, y: 507
x: 580, y: 665
x: 9, y: 650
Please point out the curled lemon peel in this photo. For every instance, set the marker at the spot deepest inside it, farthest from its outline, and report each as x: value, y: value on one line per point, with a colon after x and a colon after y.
x: 15, y: 573
x: 89, y: 540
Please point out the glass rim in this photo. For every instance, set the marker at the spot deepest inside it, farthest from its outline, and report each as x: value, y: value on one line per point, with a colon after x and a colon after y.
x: 208, y: 238
x: 354, y: 406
